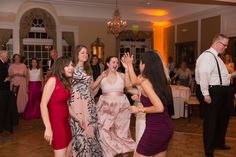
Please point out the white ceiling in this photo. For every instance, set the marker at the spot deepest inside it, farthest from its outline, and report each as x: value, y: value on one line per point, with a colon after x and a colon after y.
x: 130, y: 9
x: 133, y: 10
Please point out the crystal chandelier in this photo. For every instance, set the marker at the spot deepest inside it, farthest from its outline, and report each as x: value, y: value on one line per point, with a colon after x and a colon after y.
x: 116, y: 25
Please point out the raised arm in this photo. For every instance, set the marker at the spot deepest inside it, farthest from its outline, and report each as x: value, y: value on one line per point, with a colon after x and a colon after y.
x: 128, y: 60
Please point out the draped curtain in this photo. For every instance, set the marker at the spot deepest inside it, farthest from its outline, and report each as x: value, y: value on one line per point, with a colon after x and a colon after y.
x: 69, y: 38
x: 26, y: 24
x: 135, y: 35
x: 5, y: 36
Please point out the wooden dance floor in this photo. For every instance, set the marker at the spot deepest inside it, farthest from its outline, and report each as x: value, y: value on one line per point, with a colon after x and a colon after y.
x: 27, y: 140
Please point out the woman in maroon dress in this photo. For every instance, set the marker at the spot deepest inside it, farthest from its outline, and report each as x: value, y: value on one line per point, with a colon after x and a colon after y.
x: 54, y: 108
x: 155, y: 98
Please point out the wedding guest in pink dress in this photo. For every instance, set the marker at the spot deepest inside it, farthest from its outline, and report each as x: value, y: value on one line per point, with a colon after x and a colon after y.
x: 54, y: 107
x: 114, y: 113
x: 35, y: 90
x: 84, y: 121
x: 18, y: 73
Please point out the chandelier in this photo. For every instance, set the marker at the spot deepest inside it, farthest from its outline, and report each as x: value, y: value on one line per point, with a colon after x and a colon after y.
x: 116, y: 25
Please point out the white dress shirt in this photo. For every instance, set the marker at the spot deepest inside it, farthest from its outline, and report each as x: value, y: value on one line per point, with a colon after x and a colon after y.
x: 206, y: 72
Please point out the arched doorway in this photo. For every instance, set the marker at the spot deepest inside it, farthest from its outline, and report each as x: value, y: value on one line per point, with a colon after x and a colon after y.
x: 37, y: 35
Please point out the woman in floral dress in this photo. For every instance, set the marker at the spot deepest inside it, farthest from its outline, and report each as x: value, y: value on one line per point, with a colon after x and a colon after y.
x: 85, y: 141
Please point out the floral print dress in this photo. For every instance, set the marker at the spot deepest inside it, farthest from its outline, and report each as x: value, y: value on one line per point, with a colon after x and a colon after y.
x: 85, y: 142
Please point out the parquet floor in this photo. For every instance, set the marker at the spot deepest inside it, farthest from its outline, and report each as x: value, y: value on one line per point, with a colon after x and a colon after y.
x: 27, y: 140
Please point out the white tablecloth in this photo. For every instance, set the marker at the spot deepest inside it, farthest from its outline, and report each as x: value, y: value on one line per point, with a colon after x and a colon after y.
x: 180, y: 94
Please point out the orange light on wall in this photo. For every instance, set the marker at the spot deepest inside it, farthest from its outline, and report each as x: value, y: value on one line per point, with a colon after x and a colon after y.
x: 161, y: 23
x: 153, y: 12
x: 158, y: 40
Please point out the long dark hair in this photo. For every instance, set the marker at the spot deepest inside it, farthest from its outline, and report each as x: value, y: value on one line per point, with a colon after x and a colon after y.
x: 58, y: 71
x: 154, y: 72
x: 87, y: 66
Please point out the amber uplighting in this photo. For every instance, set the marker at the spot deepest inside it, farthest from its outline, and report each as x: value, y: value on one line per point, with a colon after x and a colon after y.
x: 158, y: 37
x: 161, y: 23
x: 153, y: 12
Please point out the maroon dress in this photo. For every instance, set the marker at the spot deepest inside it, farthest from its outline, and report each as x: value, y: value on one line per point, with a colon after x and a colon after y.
x: 59, y: 116
x: 157, y: 133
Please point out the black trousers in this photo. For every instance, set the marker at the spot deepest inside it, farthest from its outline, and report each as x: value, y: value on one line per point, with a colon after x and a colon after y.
x: 216, y: 116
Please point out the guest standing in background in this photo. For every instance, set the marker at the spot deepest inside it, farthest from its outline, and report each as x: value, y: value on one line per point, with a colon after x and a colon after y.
x: 155, y: 93
x: 95, y: 67
x: 113, y: 111
x: 84, y: 120
x: 229, y: 63
x: 53, y: 58
x: 230, y: 67
x: 171, y: 67
x: 4, y: 88
x: 54, y: 107
x: 213, y: 80
x: 96, y: 72
x: 35, y: 90
x: 4, y: 80
x: 18, y: 74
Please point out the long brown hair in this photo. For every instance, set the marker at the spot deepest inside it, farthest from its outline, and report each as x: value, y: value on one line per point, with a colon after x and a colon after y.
x: 87, y: 66
x: 58, y: 71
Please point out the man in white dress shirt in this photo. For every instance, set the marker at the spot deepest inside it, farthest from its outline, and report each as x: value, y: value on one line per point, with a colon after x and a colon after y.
x: 212, y: 91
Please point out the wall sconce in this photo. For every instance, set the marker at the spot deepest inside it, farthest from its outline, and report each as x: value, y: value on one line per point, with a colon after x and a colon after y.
x: 98, y: 48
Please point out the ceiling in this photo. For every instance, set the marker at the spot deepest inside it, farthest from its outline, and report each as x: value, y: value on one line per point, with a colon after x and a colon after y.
x: 137, y: 10
x: 131, y: 10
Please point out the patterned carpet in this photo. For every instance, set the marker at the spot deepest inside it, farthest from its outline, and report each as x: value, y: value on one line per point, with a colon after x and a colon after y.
x: 195, y: 126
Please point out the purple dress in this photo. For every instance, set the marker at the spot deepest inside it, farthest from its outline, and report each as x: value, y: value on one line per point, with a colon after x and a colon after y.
x: 158, y: 131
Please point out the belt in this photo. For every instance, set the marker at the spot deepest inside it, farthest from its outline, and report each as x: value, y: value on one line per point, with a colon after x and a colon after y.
x: 113, y: 94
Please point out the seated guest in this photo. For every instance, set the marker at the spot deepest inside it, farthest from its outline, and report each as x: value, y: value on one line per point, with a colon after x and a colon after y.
x: 184, y: 75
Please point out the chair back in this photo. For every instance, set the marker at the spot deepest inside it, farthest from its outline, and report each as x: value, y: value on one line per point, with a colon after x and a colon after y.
x: 15, y: 89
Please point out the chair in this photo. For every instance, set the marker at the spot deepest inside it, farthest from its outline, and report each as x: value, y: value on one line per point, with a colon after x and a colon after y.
x: 189, y: 104
x: 15, y: 89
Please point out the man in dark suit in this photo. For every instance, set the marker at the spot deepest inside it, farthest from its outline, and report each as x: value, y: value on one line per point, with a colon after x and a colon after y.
x: 4, y: 88
x: 4, y: 82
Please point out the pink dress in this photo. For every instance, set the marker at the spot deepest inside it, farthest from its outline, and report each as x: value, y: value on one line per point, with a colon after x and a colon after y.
x: 114, y: 119
x: 22, y: 97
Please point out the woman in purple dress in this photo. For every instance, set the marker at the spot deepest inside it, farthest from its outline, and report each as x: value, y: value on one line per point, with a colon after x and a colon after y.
x: 155, y: 97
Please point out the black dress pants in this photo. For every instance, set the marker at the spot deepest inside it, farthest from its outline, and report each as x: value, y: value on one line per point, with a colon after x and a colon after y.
x: 216, y: 117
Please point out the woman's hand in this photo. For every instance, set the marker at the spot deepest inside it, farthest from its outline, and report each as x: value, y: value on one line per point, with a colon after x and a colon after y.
x: 127, y: 59
x: 134, y: 109
x: 48, y: 135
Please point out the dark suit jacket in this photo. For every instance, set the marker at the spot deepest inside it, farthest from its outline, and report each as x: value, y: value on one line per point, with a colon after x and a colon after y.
x: 3, y: 75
